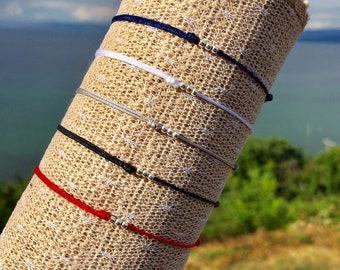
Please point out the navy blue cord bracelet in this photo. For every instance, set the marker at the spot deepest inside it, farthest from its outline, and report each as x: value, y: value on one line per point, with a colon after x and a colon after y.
x: 192, y: 38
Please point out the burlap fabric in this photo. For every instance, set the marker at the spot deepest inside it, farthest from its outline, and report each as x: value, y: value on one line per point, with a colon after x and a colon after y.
x: 47, y: 232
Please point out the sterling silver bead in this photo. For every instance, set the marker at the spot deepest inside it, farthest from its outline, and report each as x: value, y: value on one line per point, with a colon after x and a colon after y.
x: 113, y: 219
x: 164, y: 129
x: 151, y: 176
x: 119, y: 222
x: 189, y: 89
x: 139, y: 171
x: 202, y: 43
x: 125, y: 225
x: 175, y: 134
x: 182, y: 85
x: 170, y: 131
x: 146, y: 173
x: 194, y: 92
x: 214, y: 49
x: 209, y: 47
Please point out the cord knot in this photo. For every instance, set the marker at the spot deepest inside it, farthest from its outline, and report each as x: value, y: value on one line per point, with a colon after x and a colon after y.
x: 172, y: 81
x: 192, y: 37
x: 269, y: 97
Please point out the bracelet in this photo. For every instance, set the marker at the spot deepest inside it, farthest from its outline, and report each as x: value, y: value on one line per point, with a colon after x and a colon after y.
x: 128, y: 167
x: 105, y: 215
x: 157, y: 126
x: 193, y: 38
x: 173, y: 81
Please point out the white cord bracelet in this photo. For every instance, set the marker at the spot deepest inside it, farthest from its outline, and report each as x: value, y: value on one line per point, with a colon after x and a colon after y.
x: 173, y: 81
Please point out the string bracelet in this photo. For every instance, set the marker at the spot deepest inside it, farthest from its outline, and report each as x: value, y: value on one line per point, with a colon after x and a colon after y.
x: 130, y: 168
x: 193, y: 38
x: 105, y: 215
x: 172, y: 81
x: 155, y: 125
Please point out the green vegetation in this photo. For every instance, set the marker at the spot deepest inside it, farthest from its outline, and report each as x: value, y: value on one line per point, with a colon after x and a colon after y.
x: 276, y: 185
x: 279, y: 211
x: 10, y: 193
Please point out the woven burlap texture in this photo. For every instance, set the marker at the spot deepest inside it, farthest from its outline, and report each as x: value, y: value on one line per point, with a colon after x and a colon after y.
x: 47, y: 232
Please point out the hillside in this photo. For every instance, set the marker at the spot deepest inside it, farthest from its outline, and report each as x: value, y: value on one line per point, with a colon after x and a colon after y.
x: 326, y: 36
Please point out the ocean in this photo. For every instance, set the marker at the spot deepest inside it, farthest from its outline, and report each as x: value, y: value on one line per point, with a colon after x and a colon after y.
x: 41, y: 69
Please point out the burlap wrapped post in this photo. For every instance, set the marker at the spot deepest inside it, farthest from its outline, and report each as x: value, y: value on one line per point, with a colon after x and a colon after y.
x: 47, y: 232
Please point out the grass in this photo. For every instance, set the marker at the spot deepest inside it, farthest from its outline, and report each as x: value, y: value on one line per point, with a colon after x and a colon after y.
x: 303, y: 246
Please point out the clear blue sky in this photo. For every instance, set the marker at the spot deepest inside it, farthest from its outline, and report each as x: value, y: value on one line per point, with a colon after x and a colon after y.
x: 324, y: 13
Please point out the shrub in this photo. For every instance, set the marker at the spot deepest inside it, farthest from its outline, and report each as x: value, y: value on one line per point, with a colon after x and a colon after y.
x: 258, y: 152
x: 285, y: 159
x: 247, y: 207
x: 320, y: 176
x: 10, y: 193
x: 327, y: 175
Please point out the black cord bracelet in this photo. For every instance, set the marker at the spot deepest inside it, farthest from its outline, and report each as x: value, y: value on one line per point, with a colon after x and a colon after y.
x: 128, y: 167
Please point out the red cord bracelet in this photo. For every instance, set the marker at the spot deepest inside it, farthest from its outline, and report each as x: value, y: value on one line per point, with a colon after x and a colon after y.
x: 105, y: 215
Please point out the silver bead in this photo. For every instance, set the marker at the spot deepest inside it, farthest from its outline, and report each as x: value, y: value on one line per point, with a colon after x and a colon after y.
x: 145, y: 173
x: 182, y: 85
x: 194, y: 92
x: 175, y: 134
x: 139, y: 171
x: 170, y: 131
x: 202, y: 43
x: 113, y: 219
x: 125, y: 225
x: 164, y: 129
x: 209, y: 47
x: 214, y: 49
x: 151, y: 176
x: 189, y: 89
x: 119, y: 222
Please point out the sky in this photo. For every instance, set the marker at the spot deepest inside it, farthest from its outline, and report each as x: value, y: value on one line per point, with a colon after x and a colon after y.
x: 324, y: 13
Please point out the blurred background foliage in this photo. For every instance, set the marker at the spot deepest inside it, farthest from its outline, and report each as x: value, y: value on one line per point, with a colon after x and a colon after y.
x: 10, y: 192
x: 276, y: 184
